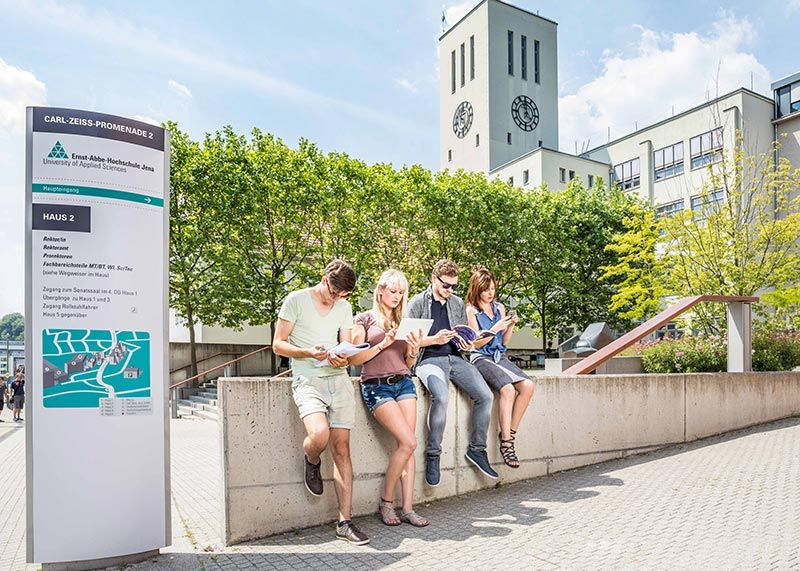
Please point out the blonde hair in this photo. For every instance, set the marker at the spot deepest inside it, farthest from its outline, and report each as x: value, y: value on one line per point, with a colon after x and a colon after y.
x: 387, y: 279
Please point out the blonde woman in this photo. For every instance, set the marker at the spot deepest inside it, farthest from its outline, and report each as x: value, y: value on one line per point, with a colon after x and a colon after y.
x: 388, y: 391
x: 489, y: 356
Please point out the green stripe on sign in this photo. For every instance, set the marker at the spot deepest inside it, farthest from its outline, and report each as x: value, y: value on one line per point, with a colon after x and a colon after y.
x: 101, y: 192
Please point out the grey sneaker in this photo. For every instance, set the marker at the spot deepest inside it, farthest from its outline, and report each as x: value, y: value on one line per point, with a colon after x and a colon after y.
x: 347, y: 531
x: 313, y: 478
x: 432, y: 475
x: 481, y: 461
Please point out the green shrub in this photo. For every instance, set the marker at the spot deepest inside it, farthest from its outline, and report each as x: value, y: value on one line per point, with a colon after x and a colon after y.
x: 708, y: 354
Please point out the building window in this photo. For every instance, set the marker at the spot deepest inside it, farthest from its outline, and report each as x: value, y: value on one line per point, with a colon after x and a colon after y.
x: 562, y: 175
x: 590, y: 178
x: 571, y: 175
x: 702, y: 203
x: 525, y: 178
x: 508, y: 138
x: 511, y: 180
x: 471, y: 58
x: 477, y: 140
x: 536, y: 61
x: 669, y: 209
x: 510, y: 52
x: 453, y: 71
x: 668, y: 161
x: 449, y: 155
x: 523, y: 57
x: 627, y: 174
x: 787, y: 99
x: 463, y: 66
x: 706, y: 148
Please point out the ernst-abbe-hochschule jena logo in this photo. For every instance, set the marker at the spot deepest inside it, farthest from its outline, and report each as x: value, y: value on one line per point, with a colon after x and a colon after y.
x: 57, y: 152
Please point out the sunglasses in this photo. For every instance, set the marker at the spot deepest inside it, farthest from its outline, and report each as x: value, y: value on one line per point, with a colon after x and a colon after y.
x: 446, y: 285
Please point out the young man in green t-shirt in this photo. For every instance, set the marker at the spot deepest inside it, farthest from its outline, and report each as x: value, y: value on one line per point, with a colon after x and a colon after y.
x: 311, y: 322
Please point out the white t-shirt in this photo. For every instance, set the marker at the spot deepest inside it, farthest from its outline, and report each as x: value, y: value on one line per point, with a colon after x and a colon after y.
x: 312, y: 329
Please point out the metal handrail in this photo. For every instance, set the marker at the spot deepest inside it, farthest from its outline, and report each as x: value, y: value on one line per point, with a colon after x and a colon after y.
x: 183, y: 382
x: 590, y: 363
x: 182, y: 367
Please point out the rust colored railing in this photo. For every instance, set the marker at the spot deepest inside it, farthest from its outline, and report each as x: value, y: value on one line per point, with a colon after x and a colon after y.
x: 741, y: 323
x: 182, y: 367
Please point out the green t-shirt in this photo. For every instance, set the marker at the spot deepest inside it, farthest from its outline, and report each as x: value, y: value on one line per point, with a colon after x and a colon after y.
x: 311, y: 329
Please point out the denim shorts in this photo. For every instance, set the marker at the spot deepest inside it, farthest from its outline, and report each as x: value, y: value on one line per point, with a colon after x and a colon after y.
x: 375, y: 394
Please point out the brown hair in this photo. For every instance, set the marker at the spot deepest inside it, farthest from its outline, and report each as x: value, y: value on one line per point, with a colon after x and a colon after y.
x: 479, y: 282
x: 445, y: 268
x: 340, y: 276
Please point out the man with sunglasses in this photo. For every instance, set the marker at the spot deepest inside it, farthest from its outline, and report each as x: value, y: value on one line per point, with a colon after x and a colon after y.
x: 439, y: 360
x: 310, y: 322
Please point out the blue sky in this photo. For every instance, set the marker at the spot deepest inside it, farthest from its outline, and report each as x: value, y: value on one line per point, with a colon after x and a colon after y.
x: 356, y: 76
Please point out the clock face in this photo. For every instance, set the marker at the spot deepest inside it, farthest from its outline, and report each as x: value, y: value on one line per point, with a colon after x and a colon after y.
x: 462, y: 119
x: 525, y: 113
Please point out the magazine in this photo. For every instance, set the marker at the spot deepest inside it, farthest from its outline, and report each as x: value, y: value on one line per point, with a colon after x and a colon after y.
x: 466, y: 336
x: 343, y: 349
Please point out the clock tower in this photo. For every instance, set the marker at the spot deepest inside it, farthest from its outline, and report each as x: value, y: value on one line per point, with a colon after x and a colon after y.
x: 498, y: 87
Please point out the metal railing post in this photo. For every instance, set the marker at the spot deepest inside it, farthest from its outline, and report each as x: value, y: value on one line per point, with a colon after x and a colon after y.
x: 173, y: 405
x: 740, y: 356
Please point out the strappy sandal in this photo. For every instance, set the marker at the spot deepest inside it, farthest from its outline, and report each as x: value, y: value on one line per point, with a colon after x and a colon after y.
x: 414, y: 519
x: 387, y: 513
x: 507, y: 450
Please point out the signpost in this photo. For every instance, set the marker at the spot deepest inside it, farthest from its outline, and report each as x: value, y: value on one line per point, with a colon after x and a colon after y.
x: 97, y: 434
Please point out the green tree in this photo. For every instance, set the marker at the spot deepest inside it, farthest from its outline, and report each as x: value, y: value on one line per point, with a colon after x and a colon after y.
x: 12, y: 327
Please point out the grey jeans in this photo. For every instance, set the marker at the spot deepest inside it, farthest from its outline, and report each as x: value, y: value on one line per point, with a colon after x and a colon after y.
x: 434, y: 374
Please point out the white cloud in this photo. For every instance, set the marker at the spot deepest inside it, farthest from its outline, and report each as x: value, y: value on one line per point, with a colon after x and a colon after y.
x: 667, y: 71
x: 793, y: 6
x: 18, y: 89
x: 455, y: 12
x: 180, y: 89
x: 407, y: 85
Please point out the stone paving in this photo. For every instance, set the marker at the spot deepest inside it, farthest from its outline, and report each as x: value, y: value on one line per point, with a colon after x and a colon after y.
x: 722, y: 503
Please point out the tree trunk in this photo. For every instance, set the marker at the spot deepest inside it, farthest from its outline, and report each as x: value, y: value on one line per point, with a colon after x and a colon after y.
x: 192, y: 345
x: 273, y: 361
x: 544, y: 325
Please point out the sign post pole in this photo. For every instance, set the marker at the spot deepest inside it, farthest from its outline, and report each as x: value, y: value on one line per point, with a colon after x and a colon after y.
x: 97, y: 434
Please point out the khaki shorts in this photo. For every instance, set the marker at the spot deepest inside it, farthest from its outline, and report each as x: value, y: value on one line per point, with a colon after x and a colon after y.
x: 332, y: 395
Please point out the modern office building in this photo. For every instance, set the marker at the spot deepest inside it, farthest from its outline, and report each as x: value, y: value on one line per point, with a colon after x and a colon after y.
x: 499, y: 115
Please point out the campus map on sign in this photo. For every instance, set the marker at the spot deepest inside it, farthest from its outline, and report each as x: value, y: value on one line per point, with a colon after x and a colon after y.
x: 84, y: 368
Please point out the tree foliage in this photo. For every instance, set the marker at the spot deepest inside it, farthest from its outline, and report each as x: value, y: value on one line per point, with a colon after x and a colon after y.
x: 12, y: 327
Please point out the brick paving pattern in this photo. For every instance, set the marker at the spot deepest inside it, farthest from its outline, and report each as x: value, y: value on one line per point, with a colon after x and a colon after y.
x: 725, y: 502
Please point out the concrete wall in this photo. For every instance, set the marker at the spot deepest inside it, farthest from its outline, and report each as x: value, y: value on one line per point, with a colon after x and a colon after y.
x: 574, y: 421
x: 179, y: 355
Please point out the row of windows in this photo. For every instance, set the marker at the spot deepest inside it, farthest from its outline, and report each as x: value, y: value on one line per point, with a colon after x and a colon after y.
x: 699, y: 203
x: 478, y: 144
x: 523, y: 44
x: 463, y: 57
x: 668, y: 161
x: 562, y: 177
x: 787, y: 99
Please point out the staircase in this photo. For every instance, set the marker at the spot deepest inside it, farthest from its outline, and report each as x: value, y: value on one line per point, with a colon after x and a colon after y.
x: 200, y: 402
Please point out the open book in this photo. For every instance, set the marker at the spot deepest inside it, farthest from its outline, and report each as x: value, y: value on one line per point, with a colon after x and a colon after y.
x: 343, y: 349
x: 466, y: 336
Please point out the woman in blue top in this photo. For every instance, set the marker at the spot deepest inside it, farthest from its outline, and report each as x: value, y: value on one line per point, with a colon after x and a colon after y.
x: 489, y: 356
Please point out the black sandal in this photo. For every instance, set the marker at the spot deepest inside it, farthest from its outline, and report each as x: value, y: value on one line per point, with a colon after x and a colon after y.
x: 507, y: 450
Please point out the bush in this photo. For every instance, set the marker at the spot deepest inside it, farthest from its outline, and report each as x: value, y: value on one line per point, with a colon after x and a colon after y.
x: 709, y: 354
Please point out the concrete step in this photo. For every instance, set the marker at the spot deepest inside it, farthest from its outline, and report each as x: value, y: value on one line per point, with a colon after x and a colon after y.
x: 202, y: 400
x: 186, y: 402
x: 185, y: 410
x: 206, y: 414
x: 208, y: 394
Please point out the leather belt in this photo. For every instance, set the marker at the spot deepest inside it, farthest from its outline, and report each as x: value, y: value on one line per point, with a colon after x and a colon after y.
x: 390, y: 380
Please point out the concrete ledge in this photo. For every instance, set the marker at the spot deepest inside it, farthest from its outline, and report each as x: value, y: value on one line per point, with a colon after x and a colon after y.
x: 631, y: 365
x: 573, y: 421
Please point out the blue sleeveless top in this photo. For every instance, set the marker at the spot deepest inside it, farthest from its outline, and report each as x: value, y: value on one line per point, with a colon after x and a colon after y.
x: 495, y: 348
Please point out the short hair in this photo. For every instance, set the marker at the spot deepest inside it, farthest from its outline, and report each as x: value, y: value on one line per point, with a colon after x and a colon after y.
x: 340, y: 275
x: 479, y: 282
x: 445, y: 268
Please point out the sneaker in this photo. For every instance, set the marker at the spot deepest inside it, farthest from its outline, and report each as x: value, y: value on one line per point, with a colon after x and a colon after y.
x: 481, y: 461
x: 313, y: 478
x: 432, y: 475
x: 348, y: 531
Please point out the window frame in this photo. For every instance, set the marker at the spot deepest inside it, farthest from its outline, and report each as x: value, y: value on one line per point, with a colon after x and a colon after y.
x: 666, y: 210
x: 672, y: 168
x: 471, y: 58
x: 523, y: 52
x: 708, y: 152
x: 536, y: 61
x: 525, y: 177
x: 624, y: 175
x: 510, y: 53
x: 453, y: 71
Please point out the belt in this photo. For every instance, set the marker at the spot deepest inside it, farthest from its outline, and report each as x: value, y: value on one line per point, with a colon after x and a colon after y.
x: 390, y: 380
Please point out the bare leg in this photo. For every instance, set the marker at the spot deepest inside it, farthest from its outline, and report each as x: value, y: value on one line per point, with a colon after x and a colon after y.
x: 342, y: 470
x: 524, y: 390
x: 409, y: 409
x: 318, y: 436
x: 504, y: 408
x: 392, y: 417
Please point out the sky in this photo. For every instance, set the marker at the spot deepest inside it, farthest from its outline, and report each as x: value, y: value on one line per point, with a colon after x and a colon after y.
x: 358, y: 76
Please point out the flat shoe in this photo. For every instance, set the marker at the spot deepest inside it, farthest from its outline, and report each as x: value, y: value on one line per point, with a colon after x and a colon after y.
x: 414, y: 519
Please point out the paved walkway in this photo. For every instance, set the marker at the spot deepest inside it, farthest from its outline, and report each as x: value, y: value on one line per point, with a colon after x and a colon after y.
x: 726, y: 502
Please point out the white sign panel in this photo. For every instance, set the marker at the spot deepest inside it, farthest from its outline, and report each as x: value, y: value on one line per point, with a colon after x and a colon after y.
x: 96, y: 322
